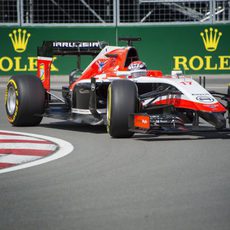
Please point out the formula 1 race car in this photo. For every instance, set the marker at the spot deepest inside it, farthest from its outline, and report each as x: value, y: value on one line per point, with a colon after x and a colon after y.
x: 115, y: 90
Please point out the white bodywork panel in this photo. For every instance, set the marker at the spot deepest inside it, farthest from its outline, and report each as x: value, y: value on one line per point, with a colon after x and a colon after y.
x: 190, y: 89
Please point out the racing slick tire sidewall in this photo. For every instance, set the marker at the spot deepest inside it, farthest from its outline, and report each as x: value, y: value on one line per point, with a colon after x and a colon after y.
x: 216, y: 119
x: 121, y: 102
x: 24, y: 100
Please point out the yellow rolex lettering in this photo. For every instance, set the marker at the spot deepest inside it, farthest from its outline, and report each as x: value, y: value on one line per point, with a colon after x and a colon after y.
x: 32, y: 63
x: 198, y: 60
x: 18, y: 66
x: 180, y: 61
x: 6, y: 64
x: 15, y: 64
x: 224, y: 62
x: 209, y: 63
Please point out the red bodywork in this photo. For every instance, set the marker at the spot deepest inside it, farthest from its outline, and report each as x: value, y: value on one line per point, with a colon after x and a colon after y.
x: 109, y: 64
x: 118, y: 59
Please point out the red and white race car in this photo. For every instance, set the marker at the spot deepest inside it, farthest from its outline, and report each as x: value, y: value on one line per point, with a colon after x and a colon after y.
x: 116, y: 90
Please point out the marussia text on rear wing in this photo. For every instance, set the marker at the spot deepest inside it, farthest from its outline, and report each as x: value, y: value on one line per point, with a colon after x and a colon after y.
x: 50, y: 48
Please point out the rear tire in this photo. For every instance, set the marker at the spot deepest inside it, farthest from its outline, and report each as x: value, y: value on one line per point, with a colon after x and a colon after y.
x: 121, y: 102
x: 24, y: 100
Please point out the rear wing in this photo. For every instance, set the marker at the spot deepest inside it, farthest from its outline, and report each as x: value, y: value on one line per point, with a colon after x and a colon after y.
x: 61, y: 48
x: 51, y: 48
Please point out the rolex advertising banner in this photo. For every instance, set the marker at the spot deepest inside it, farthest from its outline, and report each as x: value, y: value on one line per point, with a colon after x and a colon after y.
x: 194, y: 49
x: 18, y: 47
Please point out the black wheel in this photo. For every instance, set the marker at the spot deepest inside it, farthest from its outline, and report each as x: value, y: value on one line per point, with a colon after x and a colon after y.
x: 121, y: 102
x: 216, y: 119
x: 24, y: 100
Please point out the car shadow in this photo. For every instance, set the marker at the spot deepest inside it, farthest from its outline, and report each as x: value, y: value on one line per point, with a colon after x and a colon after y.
x: 71, y: 126
x: 173, y: 136
x: 192, y: 136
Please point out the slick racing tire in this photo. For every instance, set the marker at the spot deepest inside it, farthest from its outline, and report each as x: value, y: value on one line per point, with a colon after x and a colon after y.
x: 121, y: 102
x: 24, y: 100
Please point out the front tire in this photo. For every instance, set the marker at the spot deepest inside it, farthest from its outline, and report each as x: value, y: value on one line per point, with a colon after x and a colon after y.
x: 24, y: 100
x: 121, y: 102
x: 216, y: 119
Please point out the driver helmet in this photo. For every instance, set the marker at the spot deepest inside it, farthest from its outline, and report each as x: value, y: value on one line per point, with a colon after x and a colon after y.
x: 137, y: 65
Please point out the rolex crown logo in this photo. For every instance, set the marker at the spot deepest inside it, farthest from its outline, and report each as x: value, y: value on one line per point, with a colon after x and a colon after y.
x: 211, y: 38
x: 19, y: 40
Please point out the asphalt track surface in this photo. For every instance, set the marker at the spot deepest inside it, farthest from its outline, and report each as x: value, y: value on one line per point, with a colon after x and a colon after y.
x: 168, y: 182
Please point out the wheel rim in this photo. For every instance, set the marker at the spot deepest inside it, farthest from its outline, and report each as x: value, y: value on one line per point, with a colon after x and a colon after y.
x: 11, y: 100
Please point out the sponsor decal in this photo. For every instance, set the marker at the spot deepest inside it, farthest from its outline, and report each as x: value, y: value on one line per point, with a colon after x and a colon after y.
x: 76, y: 44
x: 101, y: 64
x: 212, y: 106
x: 186, y: 82
x: 210, y: 39
x: 43, y: 66
x: 20, y: 39
x: 205, y: 99
x: 141, y: 121
x: 42, y: 72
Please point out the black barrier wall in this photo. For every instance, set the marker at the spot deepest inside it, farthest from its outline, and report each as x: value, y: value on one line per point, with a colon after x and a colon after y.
x: 194, y: 49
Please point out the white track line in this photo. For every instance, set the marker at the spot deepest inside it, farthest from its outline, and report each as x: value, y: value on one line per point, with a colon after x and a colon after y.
x: 28, y: 146
x: 64, y: 149
x: 14, y: 159
x: 10, y: 137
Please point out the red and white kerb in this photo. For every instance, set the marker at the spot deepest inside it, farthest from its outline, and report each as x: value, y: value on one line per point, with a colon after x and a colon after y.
x: 16, y: 149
